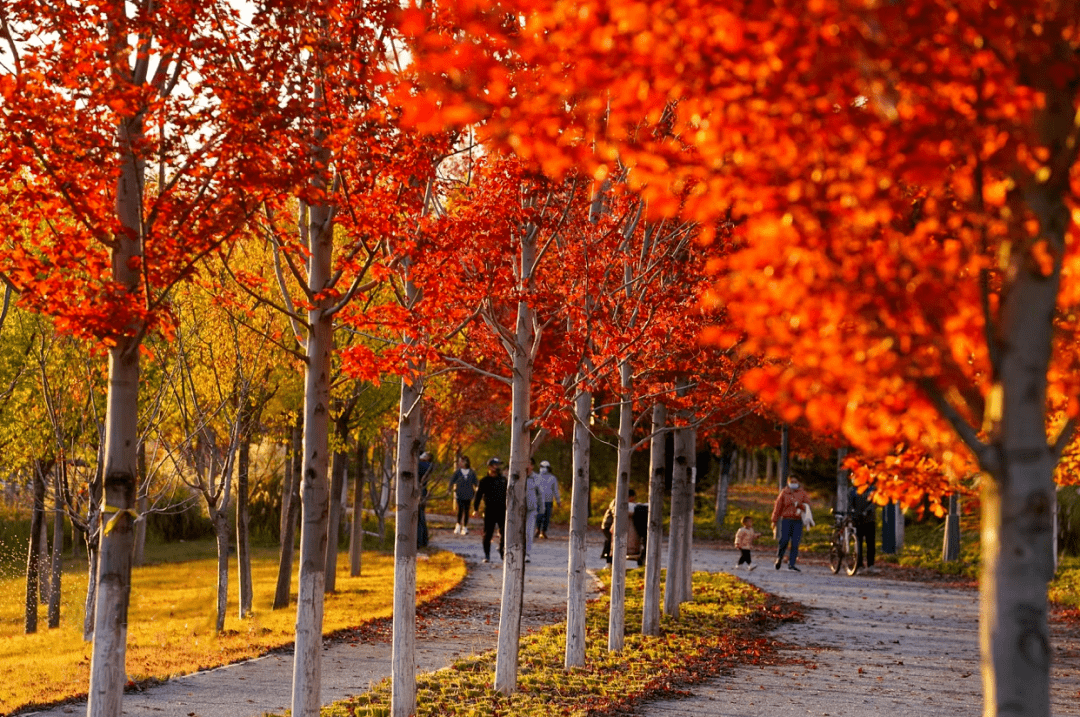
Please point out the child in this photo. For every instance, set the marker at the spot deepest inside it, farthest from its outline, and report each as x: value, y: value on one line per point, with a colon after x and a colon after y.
x: 744, y: 539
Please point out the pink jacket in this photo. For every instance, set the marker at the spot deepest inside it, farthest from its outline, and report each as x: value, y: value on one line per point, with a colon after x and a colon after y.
x: 744, y: 538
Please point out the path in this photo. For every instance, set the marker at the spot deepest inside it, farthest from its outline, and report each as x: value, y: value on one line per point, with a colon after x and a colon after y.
x: 462, y: 623
x: 869, y: 647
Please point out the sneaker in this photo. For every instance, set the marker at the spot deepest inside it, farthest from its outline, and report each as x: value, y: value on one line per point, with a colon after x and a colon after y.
x: 464, y: 530
x: 457, y: 529
x: 487, y: 560
x: 777, y: 564
x: 750, y: 567
x: 792, y: 567
x: 527, y: 559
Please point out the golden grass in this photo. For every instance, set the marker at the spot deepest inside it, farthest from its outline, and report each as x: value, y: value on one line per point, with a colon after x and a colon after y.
x: 171, y: 619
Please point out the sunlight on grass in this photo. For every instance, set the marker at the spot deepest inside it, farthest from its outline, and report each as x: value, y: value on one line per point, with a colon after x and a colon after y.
x: 171, y: 619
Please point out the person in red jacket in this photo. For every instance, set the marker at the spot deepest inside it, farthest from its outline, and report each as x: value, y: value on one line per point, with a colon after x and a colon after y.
x: 787, y: 512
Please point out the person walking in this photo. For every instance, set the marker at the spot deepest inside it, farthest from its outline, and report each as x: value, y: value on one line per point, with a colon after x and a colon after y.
x: 463, y: 485
x: 491, y: 491
x: 424, y: 467
x: 607, y: 525
x: 864, y: 515
x: 549, y: 495
x: 533, y: 502
x: 787, y: 514
x: 744, y: 541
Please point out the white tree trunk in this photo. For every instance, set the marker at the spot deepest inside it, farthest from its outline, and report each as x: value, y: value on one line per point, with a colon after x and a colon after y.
x: 513, y: 587
x: 56, y: 567
x: 107, y: 676
x: 617, y: 610
x: 307, y: 662
x: 356, y: 537
x: 650, y: 618
x: 221, y: 534
x: 687, y: 548
x: 681, y: 477
x: 579, y: 516
x: 403, y: 677
x: 243, y: 552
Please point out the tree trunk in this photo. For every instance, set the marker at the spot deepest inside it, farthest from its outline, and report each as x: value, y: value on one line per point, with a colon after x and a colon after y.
x: 43, y: 560
x: 674, y: 585
x: 91, y: 584
x: 356, y: 538
x: 950, y: 551
x: 291, y: 512
x: 33, y: 561
x: 513, y: 587
x: 843, y: 483
x: 307, y: 663
x: 650, y: 617
x: 724, y: 482
x: 686, y: 553
x: 579, y: 524
x: 107, y: 671
x: 785, y: 457
x: 770, y: 468
x: 617, y: 609
x: 221, y: 536
x: 138, y: 554
x: 403, y: 678
x: 243, y: 533
x: 56, y: 568
x: 337, y: 481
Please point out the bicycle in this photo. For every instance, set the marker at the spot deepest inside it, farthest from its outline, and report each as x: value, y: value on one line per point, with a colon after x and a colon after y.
x: 844, y: 546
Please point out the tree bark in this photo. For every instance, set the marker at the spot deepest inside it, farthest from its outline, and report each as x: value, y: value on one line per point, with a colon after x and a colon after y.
x: 307, y: 663
x: 950, y: 550
x: 650, y: 617
x: 56, y: 568
x: 617, y: 609
x: 291, y: 510
x: 724, y: 482
x: 513, y: 587
x: 43, y: 552
x: 785, y: 457
x: 579, y: 517
x: 675, y: 584
x: 843, y: 483
x: 356, y: 539
x: 243, y: 533
x: 221, y: 536
x: 403, y: 678
x: 139, y: 551
x: 33, y: 561
x: 337, y: 481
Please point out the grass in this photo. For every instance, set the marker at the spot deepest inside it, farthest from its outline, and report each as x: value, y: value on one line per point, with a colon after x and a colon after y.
x: 171, y: 619
x: 721, y: 627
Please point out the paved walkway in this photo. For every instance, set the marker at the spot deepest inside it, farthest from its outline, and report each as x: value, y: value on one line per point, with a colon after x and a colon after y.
x: 869, y: 647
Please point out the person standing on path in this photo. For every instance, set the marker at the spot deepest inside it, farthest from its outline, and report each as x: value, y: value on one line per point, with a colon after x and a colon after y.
x: 424, y: 467
x: 533, y: 501
x: 549, y: 493
x: 463, y: 484
x: 787, y: 513
x: 492, y: 492
x: 863, y: 513
x: 744, y: 541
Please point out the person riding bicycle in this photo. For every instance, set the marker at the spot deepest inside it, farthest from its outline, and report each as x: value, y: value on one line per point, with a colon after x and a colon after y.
x: 863, y: 514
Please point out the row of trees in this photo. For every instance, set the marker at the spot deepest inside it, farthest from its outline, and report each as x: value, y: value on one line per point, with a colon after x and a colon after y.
x: 874, y: 199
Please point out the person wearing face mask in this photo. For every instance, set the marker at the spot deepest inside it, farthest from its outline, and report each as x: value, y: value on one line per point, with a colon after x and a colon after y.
x: 787, y: 512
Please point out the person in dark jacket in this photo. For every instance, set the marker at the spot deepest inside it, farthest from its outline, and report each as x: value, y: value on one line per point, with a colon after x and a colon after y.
x: 864, y: 514
x: 424, y: 471
x: 492, y: 492
x: 463, y: 484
